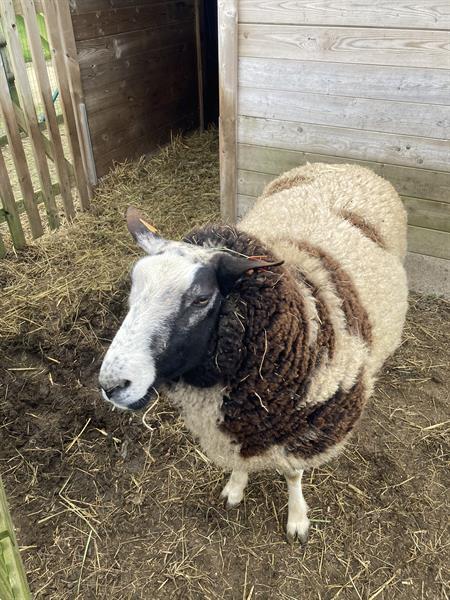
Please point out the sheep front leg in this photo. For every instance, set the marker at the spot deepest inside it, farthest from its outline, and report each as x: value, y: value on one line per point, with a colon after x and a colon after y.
x: 233, y: 492
x: 298, y: 522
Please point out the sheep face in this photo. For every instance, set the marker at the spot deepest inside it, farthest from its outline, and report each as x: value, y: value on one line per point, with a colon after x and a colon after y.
x: 174, y: 304
x: 173, y: 308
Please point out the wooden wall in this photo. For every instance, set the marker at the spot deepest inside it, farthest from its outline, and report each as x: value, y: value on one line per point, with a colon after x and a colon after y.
x: 139, y: 73
x: 340, y: 80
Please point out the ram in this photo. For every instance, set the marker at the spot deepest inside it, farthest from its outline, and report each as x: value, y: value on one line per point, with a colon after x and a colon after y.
x: 268, y: 336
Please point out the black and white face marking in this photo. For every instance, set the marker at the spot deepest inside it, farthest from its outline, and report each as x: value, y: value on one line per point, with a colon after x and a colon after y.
x: 174, y: 304
x: 173, y: 307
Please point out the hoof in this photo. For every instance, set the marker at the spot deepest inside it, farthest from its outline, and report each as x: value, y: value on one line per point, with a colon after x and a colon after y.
x: 230, y: 500
x: 298, y: 531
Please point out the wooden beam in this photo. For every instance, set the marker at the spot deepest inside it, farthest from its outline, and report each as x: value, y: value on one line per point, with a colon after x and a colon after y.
x: 228, y: 79
x: 40, y: 67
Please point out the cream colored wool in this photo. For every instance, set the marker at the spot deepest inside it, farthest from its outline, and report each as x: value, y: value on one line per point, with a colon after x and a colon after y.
x: 310, y: 211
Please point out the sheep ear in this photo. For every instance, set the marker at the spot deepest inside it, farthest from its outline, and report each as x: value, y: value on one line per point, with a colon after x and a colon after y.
x: 145, y: 234
x: 231, y: 267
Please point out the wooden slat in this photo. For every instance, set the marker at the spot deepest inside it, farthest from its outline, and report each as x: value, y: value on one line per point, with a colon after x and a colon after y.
x: 18, y: 8
x: 76, y: 92
x: 80, y: 7
x: 428, y: 213
x: 358, y: 113
x: 9, y: 206
x: 18, y: 154
x: 429, y: 242
x: 48, y: 146
x: 58, y: 57
x: 423, y: 14
x: 408, y: 181
x: 401, y: 47
x: 244, y: 204
x: 145, y: 144
x: 421, y: 212
x: 119, y: 20
x: 154, y: 88
x: 228, y: 77
x: 2, y: 247
x: 420, y: 239
x: 252, y: 183
x: 349, y: 143
x: 406, y: 84
x: 40, y: 67
x: 108, y: 137
x: 108, y: 49
x: 102, y: 76
x: 37, y: 200
x: 26, y: 100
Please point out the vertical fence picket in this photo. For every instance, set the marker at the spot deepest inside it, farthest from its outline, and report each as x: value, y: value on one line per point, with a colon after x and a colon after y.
x: 20, y: 161
x: 76, y: 92
x: 58, y: 56
x: 26, y: 101
x: 29, y: 15
x: 2, y: 247
x: 10, y: 208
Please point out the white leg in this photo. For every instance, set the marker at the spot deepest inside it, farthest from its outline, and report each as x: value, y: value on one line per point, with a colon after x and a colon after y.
x: 233, y: 492
x: 298, y: 522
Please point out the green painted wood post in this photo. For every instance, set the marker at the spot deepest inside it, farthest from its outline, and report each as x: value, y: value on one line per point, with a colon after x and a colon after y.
x: 13, y: 581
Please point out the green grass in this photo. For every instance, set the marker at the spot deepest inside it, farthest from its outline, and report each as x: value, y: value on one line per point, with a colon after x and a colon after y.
x: 24, y: 40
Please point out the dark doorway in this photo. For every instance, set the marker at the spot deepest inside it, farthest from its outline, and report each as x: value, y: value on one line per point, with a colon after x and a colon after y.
x: 209, y: 34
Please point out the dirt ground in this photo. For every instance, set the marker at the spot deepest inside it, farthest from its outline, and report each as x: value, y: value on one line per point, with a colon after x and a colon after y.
x: 108, y: 506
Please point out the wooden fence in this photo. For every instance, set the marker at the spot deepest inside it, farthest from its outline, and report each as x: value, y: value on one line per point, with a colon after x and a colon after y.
x: 34, y: 197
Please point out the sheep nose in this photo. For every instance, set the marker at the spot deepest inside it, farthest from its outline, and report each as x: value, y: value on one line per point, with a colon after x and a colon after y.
x: 111, y: 391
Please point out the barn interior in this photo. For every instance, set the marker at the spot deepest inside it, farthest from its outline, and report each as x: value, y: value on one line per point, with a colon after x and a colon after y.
x: 147, y: 71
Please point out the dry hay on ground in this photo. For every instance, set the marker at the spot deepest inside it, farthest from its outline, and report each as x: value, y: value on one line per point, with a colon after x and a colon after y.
x: 108, y: 508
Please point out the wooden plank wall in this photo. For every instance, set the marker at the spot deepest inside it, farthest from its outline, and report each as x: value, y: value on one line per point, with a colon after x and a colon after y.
x: 350, y: 80
x: 139, y: 75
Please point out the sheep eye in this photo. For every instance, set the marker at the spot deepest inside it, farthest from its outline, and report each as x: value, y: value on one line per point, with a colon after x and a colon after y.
x: 201, y: 300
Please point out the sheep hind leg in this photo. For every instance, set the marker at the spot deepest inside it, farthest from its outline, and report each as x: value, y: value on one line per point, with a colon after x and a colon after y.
x: 298, y: 522
x: 233, y: 492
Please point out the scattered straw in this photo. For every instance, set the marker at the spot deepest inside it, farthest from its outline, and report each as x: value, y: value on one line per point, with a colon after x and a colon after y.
x: 48, y: 288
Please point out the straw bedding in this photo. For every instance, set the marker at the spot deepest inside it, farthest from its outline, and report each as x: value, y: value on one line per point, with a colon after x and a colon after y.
x: 115, y: 506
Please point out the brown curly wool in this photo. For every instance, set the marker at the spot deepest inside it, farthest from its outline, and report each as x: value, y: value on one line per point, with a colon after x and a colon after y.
x: 263, y: 357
